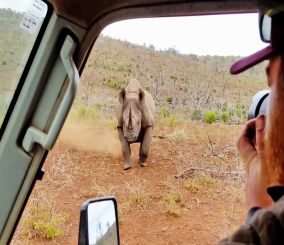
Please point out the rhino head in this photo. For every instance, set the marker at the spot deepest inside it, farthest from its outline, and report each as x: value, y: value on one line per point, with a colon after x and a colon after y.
x: 131, y: 113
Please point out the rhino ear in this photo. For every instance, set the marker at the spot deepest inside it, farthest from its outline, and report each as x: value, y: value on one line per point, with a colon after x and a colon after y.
x: 122, y: 95
x: 141, y: 94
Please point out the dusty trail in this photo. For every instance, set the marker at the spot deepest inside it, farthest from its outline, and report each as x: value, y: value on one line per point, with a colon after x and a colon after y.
x: 82, y: 168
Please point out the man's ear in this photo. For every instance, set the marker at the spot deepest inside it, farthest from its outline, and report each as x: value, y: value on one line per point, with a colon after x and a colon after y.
x: 122, y: 94
x: 141, y: 94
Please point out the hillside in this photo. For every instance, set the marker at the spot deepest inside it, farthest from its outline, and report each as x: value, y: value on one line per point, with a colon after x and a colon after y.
x: 15, y: 47
x: 188, y: 82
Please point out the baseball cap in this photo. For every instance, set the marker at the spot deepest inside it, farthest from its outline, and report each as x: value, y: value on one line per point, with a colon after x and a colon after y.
x: 276, y: 46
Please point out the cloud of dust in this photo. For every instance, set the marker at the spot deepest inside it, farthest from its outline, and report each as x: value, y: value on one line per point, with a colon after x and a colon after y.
x: 89, y: 136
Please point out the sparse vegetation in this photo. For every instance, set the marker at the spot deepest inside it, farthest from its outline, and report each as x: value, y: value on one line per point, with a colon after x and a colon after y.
x: 196, y: 115
x: 191, y: 184
x: 164, y: 112
x: 173, y: 198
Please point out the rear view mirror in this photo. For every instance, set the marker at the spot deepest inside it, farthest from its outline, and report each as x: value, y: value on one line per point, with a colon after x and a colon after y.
x: 99, y: 222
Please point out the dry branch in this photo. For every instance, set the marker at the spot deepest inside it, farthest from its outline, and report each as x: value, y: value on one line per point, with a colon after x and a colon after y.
x: 191, y: 170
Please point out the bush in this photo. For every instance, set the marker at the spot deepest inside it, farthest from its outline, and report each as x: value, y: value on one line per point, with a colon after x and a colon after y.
x: 224, y: 109
x: 169, y: 99
x: 196, y: 115
x: 90, y: 112
x: 177, y: 136
x: 111, y: 84
x: 147, y: 88
x: 104, y: 79
x: 118, y: 86
x: 4, y: 62
x: 171, y: 120
x: 210, y: 117
x: 225, y: 117
x: 123, y: 82
x: 164, y: 112
x: 239, y: 113
x: 113, y: 124
x: 43, y: 221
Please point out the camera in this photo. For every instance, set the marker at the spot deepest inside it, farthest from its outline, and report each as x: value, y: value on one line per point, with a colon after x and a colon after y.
x: 259, y: 105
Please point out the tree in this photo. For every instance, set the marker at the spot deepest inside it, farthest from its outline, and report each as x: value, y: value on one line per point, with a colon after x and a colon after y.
x: 152, y: 47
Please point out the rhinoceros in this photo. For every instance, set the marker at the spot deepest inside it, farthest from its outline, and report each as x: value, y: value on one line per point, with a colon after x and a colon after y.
x: 135, y: 116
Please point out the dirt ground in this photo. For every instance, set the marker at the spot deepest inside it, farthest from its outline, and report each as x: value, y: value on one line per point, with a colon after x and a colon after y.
x: 191, y: 192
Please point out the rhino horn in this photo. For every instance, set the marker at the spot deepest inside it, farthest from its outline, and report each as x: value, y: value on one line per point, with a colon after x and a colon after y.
x: 130, y: 127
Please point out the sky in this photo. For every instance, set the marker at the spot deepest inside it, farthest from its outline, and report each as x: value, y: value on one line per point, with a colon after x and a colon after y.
x: 234, y: 34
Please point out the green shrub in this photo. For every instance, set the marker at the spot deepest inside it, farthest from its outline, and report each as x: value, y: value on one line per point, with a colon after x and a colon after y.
x: 169, y: 99
x: 225, y: 117
x: 91, y: 84
x: 104, y: 79
x: 148, y: 88
x: 164, y: 112
x: 118, y: 86
x: 196, y: 115
x: 171, y: 120
x: 4, y: 62
x: 123, y: 82
x: 111, y: 84
x: 224, y: 109
x: 231, y: 112
x: 239, y: 113
x: 210, y: 117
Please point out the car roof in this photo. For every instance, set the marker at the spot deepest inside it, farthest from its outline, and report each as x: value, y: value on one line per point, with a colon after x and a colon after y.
x: 86, y: 12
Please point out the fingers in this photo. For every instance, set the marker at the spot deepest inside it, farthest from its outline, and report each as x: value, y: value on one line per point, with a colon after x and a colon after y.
x: 259, y: 127
x: 245, y: 143
x: 247, y: 135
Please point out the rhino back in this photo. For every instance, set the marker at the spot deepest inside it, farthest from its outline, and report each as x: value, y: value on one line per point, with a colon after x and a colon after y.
x: 133, y: 87
x: 148, y: 111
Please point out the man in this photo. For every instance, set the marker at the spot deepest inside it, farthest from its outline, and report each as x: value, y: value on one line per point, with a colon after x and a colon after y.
x: 261, y: 145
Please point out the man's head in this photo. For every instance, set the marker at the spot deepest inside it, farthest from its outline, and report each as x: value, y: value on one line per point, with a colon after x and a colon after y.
x: 274, y: 131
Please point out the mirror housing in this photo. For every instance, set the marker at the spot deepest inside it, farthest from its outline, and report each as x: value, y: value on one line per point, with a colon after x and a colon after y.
x: 99, y: 222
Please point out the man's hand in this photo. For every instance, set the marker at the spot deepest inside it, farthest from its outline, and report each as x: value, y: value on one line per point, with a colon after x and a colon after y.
x: 258, y: 175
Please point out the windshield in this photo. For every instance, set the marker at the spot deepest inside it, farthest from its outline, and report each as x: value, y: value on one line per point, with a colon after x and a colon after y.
x: 189, y: 189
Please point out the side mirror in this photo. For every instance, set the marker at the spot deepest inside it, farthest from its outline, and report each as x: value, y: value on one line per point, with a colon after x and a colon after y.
x: 265, y: 27
x: 99, y: 222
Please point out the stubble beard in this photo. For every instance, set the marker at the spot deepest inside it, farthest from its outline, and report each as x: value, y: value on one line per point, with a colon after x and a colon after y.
x: 274, y: 132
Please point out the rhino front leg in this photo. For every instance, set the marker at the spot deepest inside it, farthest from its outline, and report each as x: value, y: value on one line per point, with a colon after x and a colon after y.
x: 125, y: 147
x: 145, y: 146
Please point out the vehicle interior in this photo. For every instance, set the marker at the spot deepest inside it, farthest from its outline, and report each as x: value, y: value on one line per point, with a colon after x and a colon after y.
x: 49, y: 83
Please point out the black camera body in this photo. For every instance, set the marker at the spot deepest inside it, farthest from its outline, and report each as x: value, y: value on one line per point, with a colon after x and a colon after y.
x: 259, y: 105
